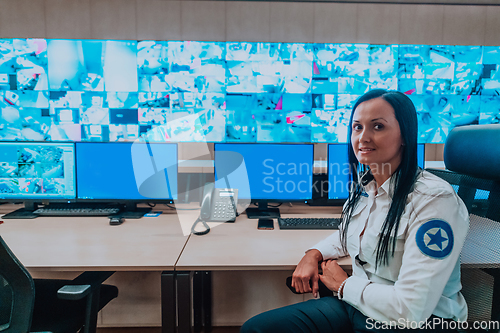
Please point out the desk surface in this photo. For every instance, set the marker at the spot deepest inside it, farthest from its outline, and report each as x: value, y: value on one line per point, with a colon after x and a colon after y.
x: 90, y: 243
x: 156, y: 244
x: 241, y: 246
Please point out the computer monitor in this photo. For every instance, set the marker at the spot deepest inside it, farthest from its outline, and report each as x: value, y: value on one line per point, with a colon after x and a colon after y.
x: 37, y: 171
x: 421, y: 155
x: 338, y: 170
x: 126, y: 172
x: 276, y: 173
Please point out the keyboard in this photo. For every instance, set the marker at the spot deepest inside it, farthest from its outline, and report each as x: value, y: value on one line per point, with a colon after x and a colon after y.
x: 309, y: 223
x: 76, y: 211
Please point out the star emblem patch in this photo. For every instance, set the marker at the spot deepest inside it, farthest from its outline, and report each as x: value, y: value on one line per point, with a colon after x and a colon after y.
x: 435, y: 239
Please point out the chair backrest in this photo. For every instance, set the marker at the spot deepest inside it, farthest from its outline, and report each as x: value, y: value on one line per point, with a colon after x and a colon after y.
x: 17, y: 293
x: 472, y: 157
x: 481, y: 196
x: 473, y: 154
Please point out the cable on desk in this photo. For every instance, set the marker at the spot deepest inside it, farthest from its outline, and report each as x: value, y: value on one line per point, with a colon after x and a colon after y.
x: 200, y: 233
x: 175, y: 208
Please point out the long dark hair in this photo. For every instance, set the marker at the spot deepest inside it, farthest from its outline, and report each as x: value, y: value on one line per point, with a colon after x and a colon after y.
x: 404, y: 177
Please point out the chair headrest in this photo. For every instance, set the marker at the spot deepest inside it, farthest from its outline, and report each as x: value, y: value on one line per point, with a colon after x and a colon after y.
x: 474, y: 150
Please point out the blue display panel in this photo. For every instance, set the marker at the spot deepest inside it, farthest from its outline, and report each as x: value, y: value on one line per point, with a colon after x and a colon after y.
x: 479, y: 195
x: 190, y: 91
x: 123, y: 171
x: 338, y: 172
x: 37, y: 171
x: 276, y: 172
x: 421, y: 155
x: 338, y: 169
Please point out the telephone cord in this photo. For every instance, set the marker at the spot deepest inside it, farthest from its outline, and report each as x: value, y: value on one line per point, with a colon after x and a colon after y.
x: 200, y: 233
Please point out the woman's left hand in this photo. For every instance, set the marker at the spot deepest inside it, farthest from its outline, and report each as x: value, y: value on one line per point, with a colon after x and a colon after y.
x: 333, y: 275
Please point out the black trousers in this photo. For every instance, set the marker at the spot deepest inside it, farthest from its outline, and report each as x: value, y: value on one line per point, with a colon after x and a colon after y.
x: 326, y: 315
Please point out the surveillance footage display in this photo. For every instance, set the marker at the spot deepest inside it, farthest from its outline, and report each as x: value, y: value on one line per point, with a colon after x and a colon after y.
x: 29, y: 170
x: 181, y: 91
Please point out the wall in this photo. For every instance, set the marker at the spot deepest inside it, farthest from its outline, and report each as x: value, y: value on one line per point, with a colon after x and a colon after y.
x: 251, y: 21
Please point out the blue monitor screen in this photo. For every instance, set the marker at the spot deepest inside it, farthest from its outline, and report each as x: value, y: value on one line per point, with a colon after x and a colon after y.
x: 276, y: 172
x: 338, y: 169
x: 479, y: 195
x: 338, y: 172
x: 421, y: 155
x: 126, y: 171
x: 36, y: 170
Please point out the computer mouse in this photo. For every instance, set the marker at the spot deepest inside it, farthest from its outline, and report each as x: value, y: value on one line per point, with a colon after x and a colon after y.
x: 116, y: 220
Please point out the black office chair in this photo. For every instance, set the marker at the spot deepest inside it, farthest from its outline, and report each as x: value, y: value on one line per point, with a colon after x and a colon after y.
x: 58, y: 306
x: 472, y: 159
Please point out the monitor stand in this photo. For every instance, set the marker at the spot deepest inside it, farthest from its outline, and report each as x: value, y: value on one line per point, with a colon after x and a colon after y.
x: 131, y: 211
x: 23, y: 213
x: 263, y: 211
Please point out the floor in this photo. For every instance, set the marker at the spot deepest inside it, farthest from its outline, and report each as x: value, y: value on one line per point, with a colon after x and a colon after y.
x: 158, y: 330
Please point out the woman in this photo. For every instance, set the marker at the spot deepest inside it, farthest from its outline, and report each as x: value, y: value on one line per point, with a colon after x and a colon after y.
x: 403, y: 228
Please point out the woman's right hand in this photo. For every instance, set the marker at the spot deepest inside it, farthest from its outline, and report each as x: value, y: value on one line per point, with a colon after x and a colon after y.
x: 307, y: 270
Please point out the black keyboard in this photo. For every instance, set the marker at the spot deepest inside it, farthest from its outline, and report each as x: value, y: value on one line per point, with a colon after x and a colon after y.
x: 76, y: 211
x: 309, y: 223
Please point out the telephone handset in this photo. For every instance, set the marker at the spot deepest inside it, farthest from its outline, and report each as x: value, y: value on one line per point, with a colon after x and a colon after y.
x: 217, y: 205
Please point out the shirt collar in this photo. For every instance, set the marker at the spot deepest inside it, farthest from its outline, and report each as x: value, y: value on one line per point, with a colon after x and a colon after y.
x: 367, y: 179
x: 386, y: 186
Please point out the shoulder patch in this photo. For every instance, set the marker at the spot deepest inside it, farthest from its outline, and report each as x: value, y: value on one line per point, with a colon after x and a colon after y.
x: 435, y: 239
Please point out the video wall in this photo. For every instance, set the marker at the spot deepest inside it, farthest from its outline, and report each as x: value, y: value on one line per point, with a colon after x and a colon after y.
x: 180, y: 91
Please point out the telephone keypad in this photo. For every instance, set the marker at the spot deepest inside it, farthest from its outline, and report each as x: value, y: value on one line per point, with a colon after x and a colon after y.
x: 224, y: 209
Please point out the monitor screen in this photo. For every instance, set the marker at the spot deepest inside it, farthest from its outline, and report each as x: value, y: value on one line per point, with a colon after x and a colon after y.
x: 421, y: 155
x: 338, y: 169
x: 233, y: 92
x: 126, y: 171
x: 37, y: 171
x: 276, y: 172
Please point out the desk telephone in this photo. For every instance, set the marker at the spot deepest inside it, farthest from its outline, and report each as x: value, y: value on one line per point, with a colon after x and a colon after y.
x: 217, y: 205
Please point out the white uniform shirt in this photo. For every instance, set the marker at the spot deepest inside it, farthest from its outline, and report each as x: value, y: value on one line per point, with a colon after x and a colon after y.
x: 423, y: 277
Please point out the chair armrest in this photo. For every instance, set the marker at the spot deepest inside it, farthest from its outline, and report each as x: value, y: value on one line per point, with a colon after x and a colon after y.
x: 83, y: 285
x: 74, y: 292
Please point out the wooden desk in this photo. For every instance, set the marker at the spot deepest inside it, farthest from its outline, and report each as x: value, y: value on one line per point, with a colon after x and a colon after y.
x: 158, y: 244
x: 91, y: 244
x: 155, y: 244
x: 241, y: 246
